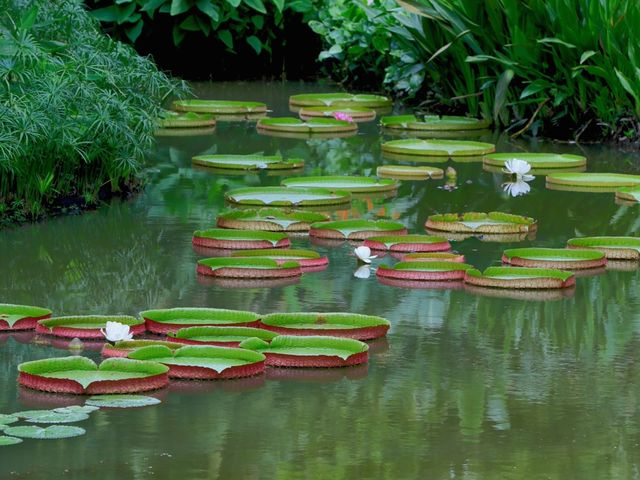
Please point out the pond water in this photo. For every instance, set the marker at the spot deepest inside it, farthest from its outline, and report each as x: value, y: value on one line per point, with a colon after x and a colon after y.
x: 465, y: 386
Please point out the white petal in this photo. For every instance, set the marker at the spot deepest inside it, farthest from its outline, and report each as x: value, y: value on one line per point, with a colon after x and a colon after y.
x: 363, y: 253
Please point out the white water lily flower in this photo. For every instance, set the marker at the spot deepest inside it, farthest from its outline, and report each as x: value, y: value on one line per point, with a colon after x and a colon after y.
x: 364, y: 254
x: 515, y: 189
x: 519, y: 168
x: 363, y: 271
x: 116, y: 332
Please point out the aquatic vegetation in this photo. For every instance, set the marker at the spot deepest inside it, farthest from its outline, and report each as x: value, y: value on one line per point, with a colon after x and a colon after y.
x: 408, y: 243
x: 628, y: 194
x: 477, y: 222
x: 333, y: 324
x: 122, y: 401
x: 435, y: 123
x: 170, y: 119
x: 356, y: 229
x: 270, y: 219
x: 348, y: 114
x: 49, y: 433
x: 561, y: 258
x: 248, y: 267
x: 116, y: 332
x: 313, y: 126
x: 405, y: 172
x: 620, y: 248
x: 220, y: 107
x: 239, y: 239
x: 90, y: 326
x: 248, y: 162
x: 287, y: 197
x: 124, y: 347
x: 351, y: 183
x: 520, y: 278
x: 163, y: 321
x: 424, y: 271
x: 363, y: 253
x: 437, y: 148
x: 339, y: 100
x: 21, y: 317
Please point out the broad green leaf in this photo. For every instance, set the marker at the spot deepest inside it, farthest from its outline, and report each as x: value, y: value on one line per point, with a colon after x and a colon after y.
x: 209, y: 9
x: 106, y: 14
x: 178, y: 35
x: 225, y: 36
x: 533, y: 88
x: 586, y: 56
x: 256, y: 5
x: 502, y: 88
x: 29, y: 18
x: 178, y: 7
x: 234, y: 3
x: 134, y: 32
x: 190, y: 24
x: 255, y: 43
x: 279, y: 5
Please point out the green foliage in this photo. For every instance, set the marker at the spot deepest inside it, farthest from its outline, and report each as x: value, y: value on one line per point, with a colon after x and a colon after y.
x: 78, y: 109
x: 254, y: 21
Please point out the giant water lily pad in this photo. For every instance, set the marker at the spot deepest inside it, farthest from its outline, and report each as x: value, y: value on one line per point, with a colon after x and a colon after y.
x: 339, y: 100
x: 49, y: 433
x: 356, y: 229
x: 125, y: 347
x: 6, y: 441
x: 628, y: 194
x: 561, y: 258
x: 588, y: 181
x: 619, y: 248
x: 21, y: 317
x: 520, y: 278
x: 239, y: 239
x: 479, y: 222
x: 433, y: 257
x: 335, y: 324
x: 122, y: 401
x: 295, y: 125
x: 270, y: 219
x: 204, y: 362
x: 358, y: 114
x: 409, y: 172
x: 220, y: 336
x: 424, y: 271
x: 408, y: 243
x: 287, y: 197
x: 171, y: 119
x: 538, y: 161
x: 353, y: 184
x: 219, y: 106
x: 248, y: 162
x: 86, y: 326
x: 437, y: 148
x: 306, y: 258
x: 167, y: 320
x: 80, y: 375
x: 249, y: 267
x: 310, y: 351
x: 434, y: 122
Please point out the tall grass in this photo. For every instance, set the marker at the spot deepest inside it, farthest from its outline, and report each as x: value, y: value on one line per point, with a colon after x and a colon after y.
x: 77, y: 109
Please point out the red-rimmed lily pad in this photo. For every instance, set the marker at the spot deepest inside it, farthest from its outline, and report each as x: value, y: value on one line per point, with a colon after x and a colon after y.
x: 239, y: 239
x: 409, y: 172
x: 538, y: 161
x: 306, y: 258
x: 86, y: 326
x: 53, y: 432
x: 248, y: 162
x: 218, y: 336
x: 295, y: 125
x: 619, y: 248
x: 310, y: 351
x: 424, y: 271
x: 589, y: 181
x: 339, y: 100
x: 434, y: 122
x: 560, y: 258
x: 408, y: 243
x: 220, y: 107
x: 522, y: 278
x: 433, y: 257
x: 249, y: 267
x: 353, y: 184
x: 437, y: 147
x: 478, y: 222
x: 628, y: 194
x: 356, y: 229
x: 125, y: 347
x: 358, y: 114
x: 204, y: 362
x: 171, y: 119
x: 287, y: 197
x: 81, y: 375
x: 163, y: 321
x: 21, y: 317
x: 270, y: 220
x: 334, y: 324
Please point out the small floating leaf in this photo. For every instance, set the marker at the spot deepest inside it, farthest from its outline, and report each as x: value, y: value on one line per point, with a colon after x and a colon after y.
x: 6, y: 441
x: 54, y: 417
x: 48, y: 433
x: 7, y: 419
x: 122, y: 401
x: 76, y: 409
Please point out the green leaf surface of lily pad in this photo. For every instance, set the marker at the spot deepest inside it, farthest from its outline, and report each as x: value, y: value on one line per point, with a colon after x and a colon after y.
x: 287, y: 197
x: 270, y: 219
x: 402, y: 171
x: 339, y: 100
x: 296, y: 125
x: 219, y: 106
x: 437, y: 148
x: 349, y: 227
x: 246, y: 262
x: 434, y: 122
x: 55, y: 417
x: 537, y: 160
x: 307, y: 346
x: 11, y: 313
x: 7, y: 419
x: 5, y: 441
x: 595, y: 180
x: 48, y: 433
x: 353, y: 184
x: 222, y: 334
x: 248, y: 162
x: 201, y: 316
x: 240, y: 235
x: 122, y: 401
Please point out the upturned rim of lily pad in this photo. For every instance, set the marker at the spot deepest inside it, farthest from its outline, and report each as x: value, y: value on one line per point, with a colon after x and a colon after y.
x: 520, y: 278
x: 326, y: 197
x: 424, y: 271
x: 165, y: 320
x: 538, y: 160
x: 353, y: 184
x: 184, y: 132
x: 239, y: 239
x: 615, y: 248
x: 333, y: 324
x: 629, y: 194
x: 409, y: 172
x: 86, y: 326
x: 270, y: 220
x: 15, y: 317
x: 408, y: 243
x: 310, y: 351
x: 339, y: 99
x: 434, y: 122
x: 358, y: 114
x: 171, y: 119
x: 124, y: 347
x: 251, y: 162
x: 356, y: 229
x: 82, y: 376
x: 218, y: 336
x: 296, y: 125
x: 593, y: 180
x: 220, y: 107
x: 249, y: 267
x: 437, y: 147
x: 434, y: 257
x: 555, y: 258
x: 503, y: 223
x: 203, y: 362
x: 306, y: 258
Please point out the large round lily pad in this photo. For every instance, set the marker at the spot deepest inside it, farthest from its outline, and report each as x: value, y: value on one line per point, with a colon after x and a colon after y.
x: 80, y: 375
x: 437, y: 148
x: 21, y: 317
x: 588, y: 181
x: 335, y: 324
x: 424, y: 271
x: 250, y: 267
x: 219, y: 106
x: 408, y: 243
x: 356, y: 229
x: 357, y: 114
x: 204, y: 362
x: 520, y: 278
x: 434, y: 122
x: 295, y: 125
x: 288, y: 197
x: 310, y: 351
x: 124, y: 348
x: 248, y: 162
x: 306, y: 258
x: 409, y: 172
x: 339, y: 100
x: 478, y: 222
x: 628, y: 194
x: 561, y: 258
x: 270, y: 219
x: 220, y: 336
x: 537, y: 160
x: 239, y: 239
x: 618, y: 248
x: 433, y: 257
x: 49, y: 433
x: 86, y: 326
x: 353, y: 184
x: 163, y: 321
x: 171, y: 119
x: 122, y: 401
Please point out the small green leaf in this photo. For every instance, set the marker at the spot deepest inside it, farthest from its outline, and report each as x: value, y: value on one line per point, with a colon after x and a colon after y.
x: 122, y: 401
x: 209, y: 9
x: 178, y: 35
x: 227, y: 39
x: 256, y: 5
x: 586, y: 56
x: 279, y: 5
x: 502, y: 88
x: 255, y: 43
x: 234, y: 3
x: 134, y: 32
x: 106, y: 14
x: 178, y: 7
x: 190, y: 24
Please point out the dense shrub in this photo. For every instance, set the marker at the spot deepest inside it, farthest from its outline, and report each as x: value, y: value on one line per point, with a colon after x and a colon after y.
x: 78, y: 109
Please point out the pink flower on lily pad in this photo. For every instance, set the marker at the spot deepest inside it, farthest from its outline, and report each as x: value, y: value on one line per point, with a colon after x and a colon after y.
x: 343, y: 116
